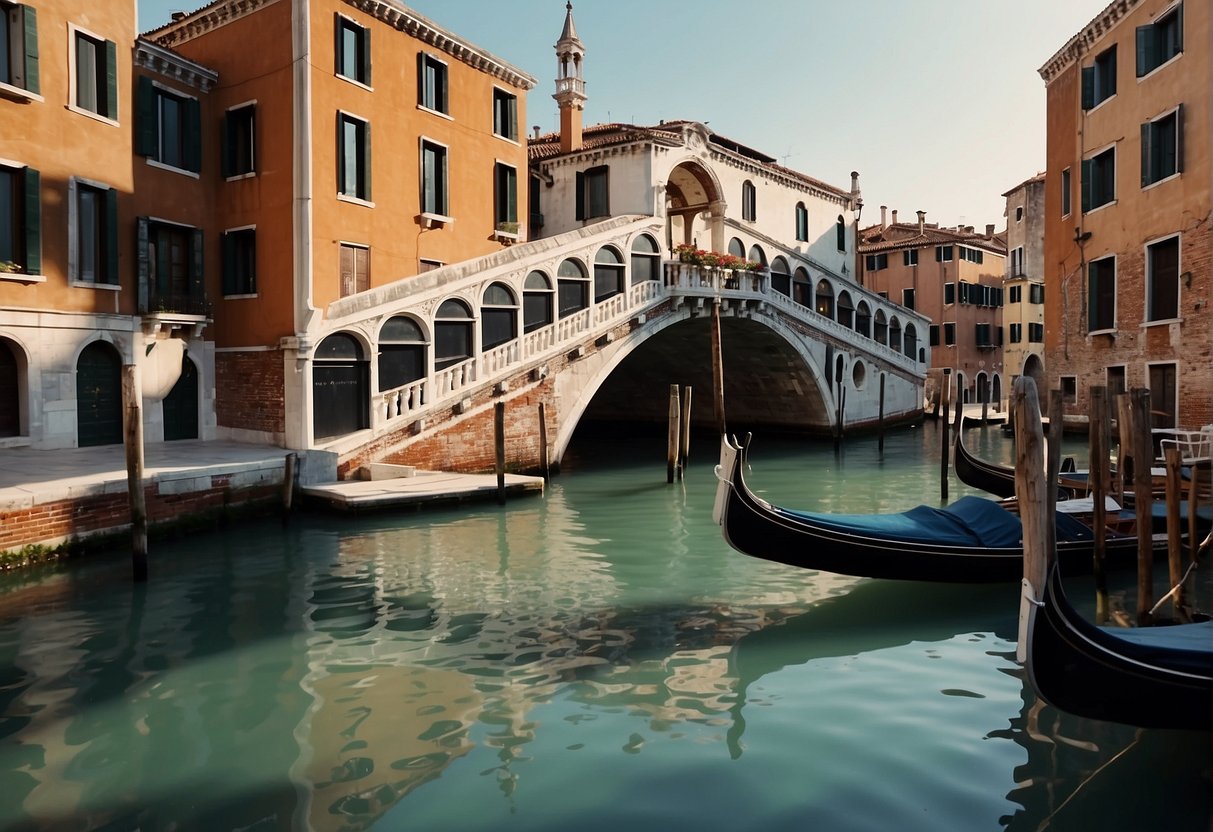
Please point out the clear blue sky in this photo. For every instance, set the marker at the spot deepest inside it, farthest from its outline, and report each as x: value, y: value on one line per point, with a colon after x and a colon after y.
x: 937, y: 103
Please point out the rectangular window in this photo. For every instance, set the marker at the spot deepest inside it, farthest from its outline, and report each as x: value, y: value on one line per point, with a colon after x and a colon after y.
x: 353, y: 157
x: 972, y: 255
x: 355, y: 267
x: 593, y: 193
x: 505, y: 114
x: 1036, y: 293
x: 1036, y: 333
x: 982, y: 335
x: 1099, y: 79
x: 433, y: 179
x: 909, y: 257
x: 240, y: 141
x: 1101, y: 294
x: 1016, y: 294
x: 1099, y: 179
x: 20, y: 220
x: 1017, y: 262
x: 1069, y: 389
x: 1161, y: 143
x: 1164, y: 400
x: 933, y: 335
x: 169, y: 127
x: 96, y: 75
x: 943, y: 254
x: 1160, y: 41
x: 1116, y: 382
x: 749, y: 201
x: 431, y: 83
x: 505, y: 187
x: 1016, y: 333
x: 876, y: 262
x: 802, y: 222
x: 907, y: 298
x: 1065, y: 192
x: 965, y: 294
x: 353, y: 51
x: 949, y: 334
x: 949, y: 293
x: 169, y: 263
x: 93, y: 226
x: 240, y: 262
x: 1162, y: 280
x: 19, y: 46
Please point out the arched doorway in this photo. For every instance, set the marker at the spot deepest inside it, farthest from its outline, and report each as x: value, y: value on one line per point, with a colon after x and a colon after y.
x: 99, y: 396
x: 181, y: 404
x: 10, y: 390
x: 340, y: 384
x: 690, y: 193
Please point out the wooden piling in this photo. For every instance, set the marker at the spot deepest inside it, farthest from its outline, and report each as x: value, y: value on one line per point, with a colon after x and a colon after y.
x: 1098, y: 439
x: 685, y: 451
x: 1053, y: 463
x: 945, y: 396
x: 1030, y: 491
x: 985, y: 403
x: 717, y: 370
x: 880, y: 418
x: 1175, y: 569
x: 544, y: 464
x: 671, y: 448
x: 132, y: 431
x: 499, y: 447
x: 288, y: 485
x: 1135, y: 437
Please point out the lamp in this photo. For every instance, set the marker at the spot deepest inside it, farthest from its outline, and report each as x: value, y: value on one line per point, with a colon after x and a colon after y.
x: 858, y: 209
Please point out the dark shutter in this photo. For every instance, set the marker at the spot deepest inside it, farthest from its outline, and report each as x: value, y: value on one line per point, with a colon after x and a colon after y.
x: 1147, y: 169
x: 143, y: 262
x: 111, y: 237
x: 1088, y: 171
x: 30, y: 20
x: 33, y: 221
x: 1179, y: 134
x: 191, y: 112
x: 364, y: 38
x: 226, y: 145
x: 197, y: 288
x: 111, y: 79
x: 1088, y: 87
x: 145, y: 118
x: 365, y: 152
x: 512, y: 112
x: 1145, y: 49
x: 229, y: 263
x: 1092, y: 297
x: 338, y: 45
x: 580, y: 207
x: 512, y: 195
x: 421, y: 79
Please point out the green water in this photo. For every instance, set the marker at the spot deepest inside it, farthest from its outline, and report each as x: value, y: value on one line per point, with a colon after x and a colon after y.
x: 596, y: 658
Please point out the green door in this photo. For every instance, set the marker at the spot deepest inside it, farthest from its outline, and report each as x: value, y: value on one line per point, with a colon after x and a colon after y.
x: 99, y: 396
x: 181, y: 405
x: 10, y: 395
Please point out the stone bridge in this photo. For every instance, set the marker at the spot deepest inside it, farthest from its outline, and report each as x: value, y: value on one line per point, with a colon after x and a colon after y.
x: 598, y: 323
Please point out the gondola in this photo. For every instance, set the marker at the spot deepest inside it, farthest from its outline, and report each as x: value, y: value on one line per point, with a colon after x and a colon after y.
x: 1150, y: 677
x: 973, y: 540
x: 999, y: 480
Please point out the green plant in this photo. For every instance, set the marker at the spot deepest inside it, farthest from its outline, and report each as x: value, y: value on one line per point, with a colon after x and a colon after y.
x: 700, y: 257
x: 9, y: 267
x: 508, y: 227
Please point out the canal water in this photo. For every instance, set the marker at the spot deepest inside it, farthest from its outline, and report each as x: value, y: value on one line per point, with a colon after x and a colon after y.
x: 596, y: 658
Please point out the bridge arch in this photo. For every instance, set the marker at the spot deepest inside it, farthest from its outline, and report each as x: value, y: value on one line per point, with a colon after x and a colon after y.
x: 694, y: 206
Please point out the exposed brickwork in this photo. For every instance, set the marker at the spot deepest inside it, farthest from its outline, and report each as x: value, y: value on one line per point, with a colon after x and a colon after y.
x: 249, y: 391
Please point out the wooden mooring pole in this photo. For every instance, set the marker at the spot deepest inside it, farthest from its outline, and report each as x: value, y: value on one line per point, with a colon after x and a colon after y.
x: 880, y: 419
x: 1136, y: 445
x: 1098, y: 439
x: 1175, y: 568
x: 288, y: 485
x: 717, y: 370
x: 945, y: 397
x: 685, y: 451
x: 671, y: 447
x: 499, y: 448
x: 543, y: 443
x: 132, y: 431
x: 1053, y: 463
x: 1030, y: 490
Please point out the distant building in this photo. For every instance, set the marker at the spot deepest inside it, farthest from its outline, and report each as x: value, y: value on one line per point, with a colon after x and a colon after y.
x: 1023, y: 311
x: 953, y: 276
x: 1128, y: 260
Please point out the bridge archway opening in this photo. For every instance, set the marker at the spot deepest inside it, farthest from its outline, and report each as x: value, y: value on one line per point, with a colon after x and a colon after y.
x: 694, y: 207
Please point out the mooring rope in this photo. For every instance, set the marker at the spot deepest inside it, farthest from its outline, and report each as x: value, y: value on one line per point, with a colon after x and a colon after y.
x: 1174, y: 589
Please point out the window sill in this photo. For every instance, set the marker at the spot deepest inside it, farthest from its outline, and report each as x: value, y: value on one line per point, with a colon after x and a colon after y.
x: 1161, y: 322
x: 428, y: 220
x: 1101, y: 103
x: 506, y: 237
x: 1165, y: 63
x: 1099, y: 207
x: 94, y: 116
x: 172, y: 168
x: 355, y: 82
x: 1158, y: 182
x: 19, y: 94
x: 240, y: 297
x: 21, y: 277
x: 236, y: 177
x: 512, y: 140
x: 88, y: 284
x: 355, y: 200
x: 438, y: 113
x: 1111, y: 333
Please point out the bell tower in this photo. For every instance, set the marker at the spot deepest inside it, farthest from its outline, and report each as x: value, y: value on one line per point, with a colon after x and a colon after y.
x: 570, y: 84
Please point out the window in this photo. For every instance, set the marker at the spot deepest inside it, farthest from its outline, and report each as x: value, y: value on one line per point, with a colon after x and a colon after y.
x: 239, y: 141
x: 608, y: 274
x: 505, y: 114
x: 355, y: 269
x: 1019, y: 214
x: 863, y: 319
x: 402, y: 348
x: 1016, y: 264
x: 498, y: 316
x: 353, y: 51
x: 933, y: 335
x: 536, y: 302
x: 96, y: 75
x: 21, y: 219
x: 1101, y: 294
x: 169, y: 258
x: 1099, y: 79
x: 981, y: 335
x: 1036, y: 333
x: 1016, y: 334
x: 353, y: 157
x: 240, y: 262
x: 907, y: 298
x: 909, y: 257
x: 431, y: 83
x: 1160, y: 41
x: 593, y: 193
x: 433, y: 179
x: 1116, y: 381
x: 972, y: 255
x: 1069, y: 389
x: 802, y: 287
x: 1164, y: 402
x: 1162, y: 280
x: 1065, y: 192
x: 949, y: 334
x: 1016, y: 294
x: 840, y: 233
x: 19, y: 47
x: 169, y: 129
x: 646, y: 259
x: 845, y: 310
x: 572, y: 288
x: 781, y: 277
x: 93, y: 233
x: 876, y: 262
x: 505, y: 197
x: 943, y: 254
x: 825, y: 298
x: 452, y: 334
x: 1036, y: 293
x: 949, y: 293
x: 802, y: 222
x: 1161, y: 141
x: 749, y: 201
x: 1099, y: 180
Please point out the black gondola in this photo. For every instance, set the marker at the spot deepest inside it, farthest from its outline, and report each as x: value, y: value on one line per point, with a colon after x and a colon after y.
x: 973, y: 540
x: 999, y: 480
x: 1151, y: 677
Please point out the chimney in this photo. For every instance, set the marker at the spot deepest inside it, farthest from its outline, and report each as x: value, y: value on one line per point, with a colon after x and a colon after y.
x: 894, y: 216
x: 989, y: 229
x: 178, y: 17
x: 536, y: 129
x: 922, y: 221
x: 883, y: 223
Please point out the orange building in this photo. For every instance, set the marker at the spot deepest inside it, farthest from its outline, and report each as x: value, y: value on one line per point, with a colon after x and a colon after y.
x: 1127, y: 248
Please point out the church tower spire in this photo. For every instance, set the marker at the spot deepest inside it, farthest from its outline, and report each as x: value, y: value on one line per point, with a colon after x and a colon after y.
x: 570, y: 84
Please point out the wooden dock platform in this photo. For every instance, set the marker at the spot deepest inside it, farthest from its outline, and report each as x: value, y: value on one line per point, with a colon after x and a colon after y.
x: 422, y: 488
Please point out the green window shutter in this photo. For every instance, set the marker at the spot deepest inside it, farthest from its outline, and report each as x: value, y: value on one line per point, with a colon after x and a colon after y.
x: 111, y: 80
x: 33, y: 221
x: 1179, y: 136
x: 1145, y: 49
x: 143, y: 261
x: 580, y: 213
x: 366, y: 162
x: 1179, y: 28
x: 512, y: 195
x: 192, y: 126
x: 512, y: 110
x: 338, y: 52
x: 421, y: 79
x: 1088, y: 87
x: 1092, y: 297
x: 225, y: 146
x: 197, y: 289
x: 229, y: 263
x: 365, y: 37
x: 146, y: 131
x: 1088, y: 171
x: 111, y: 237
x: 1146, y: 155
x: 30, y: 20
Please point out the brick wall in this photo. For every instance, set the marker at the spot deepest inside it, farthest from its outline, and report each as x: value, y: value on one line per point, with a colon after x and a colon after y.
x: 249, y: 391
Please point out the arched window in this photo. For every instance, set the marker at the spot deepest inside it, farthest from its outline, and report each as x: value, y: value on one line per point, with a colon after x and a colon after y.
x: 802, y: 222
x: 402, y: 353
x: 863, y: 319
x: 781, y: 280
x: 646, y: 259
x: 840, y: 231
x: 895, y: 333
x: 10, y: 390
x: 758, y: 255
x: 572, y: 288
x: 99, y: 395
x: 881, y: 335
x: 340, y: 382
x: 608, y: 274
x: 846, y: 309
x: 825, y: 298
x: 802, y: 288
x: 737, y: 248
x: 911, y: 342
x: 498, y: 316
x: 749, y: 201
x: 452, y: 334
x: 537, y: 297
